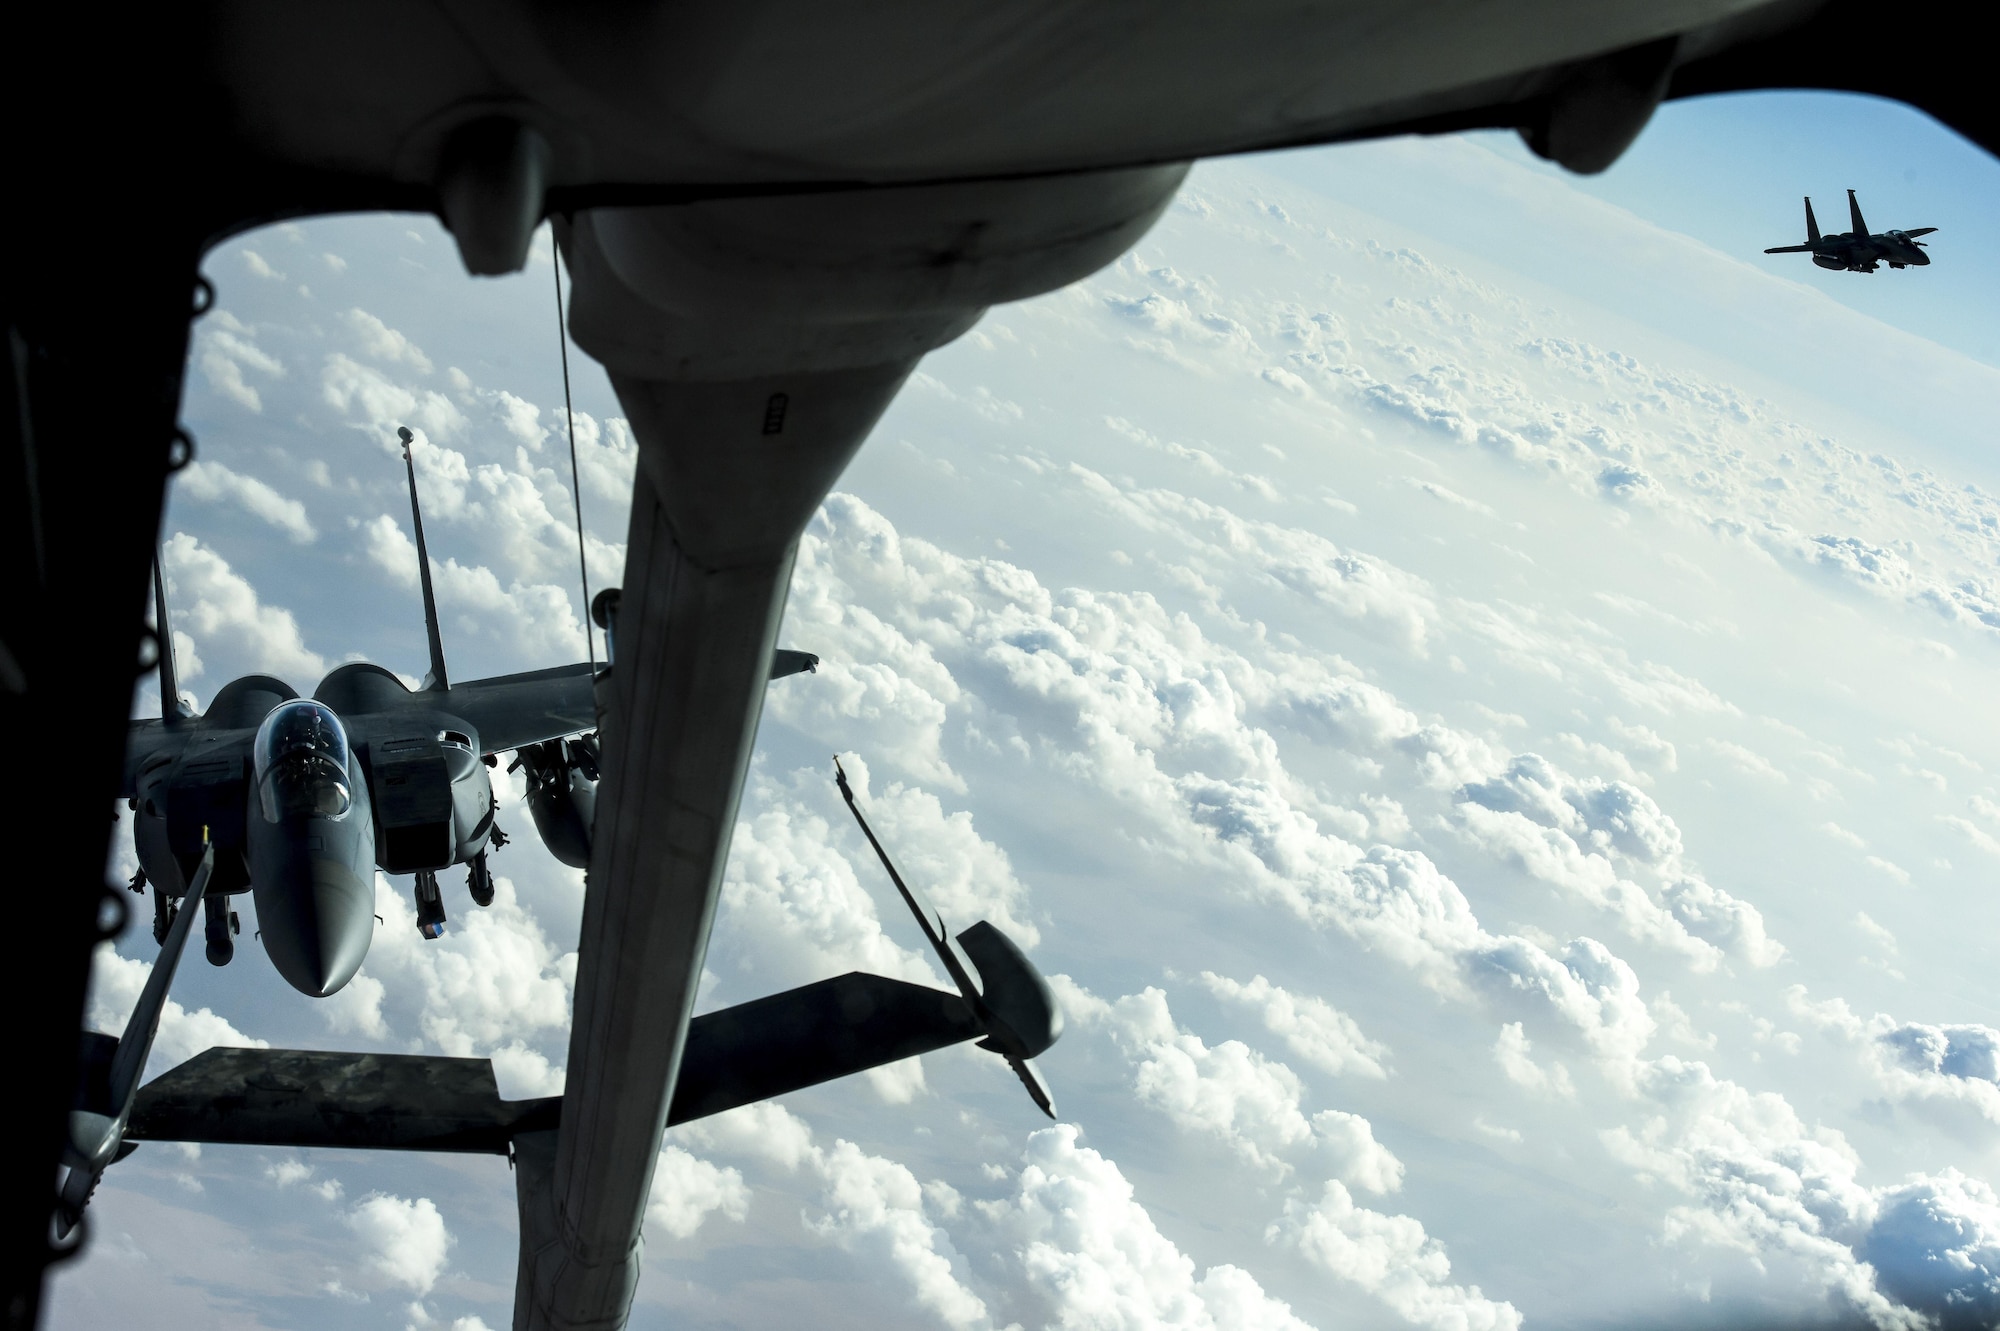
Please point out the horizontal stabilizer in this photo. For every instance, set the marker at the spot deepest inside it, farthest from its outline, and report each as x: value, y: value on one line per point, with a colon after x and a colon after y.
x: 1789, y: 249
x: 302, y: 1097
x: 1920, y: 231
x: 410, y: 1102
x: 805, y: 1036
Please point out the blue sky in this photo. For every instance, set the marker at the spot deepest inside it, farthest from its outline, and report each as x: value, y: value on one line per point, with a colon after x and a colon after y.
x: 1484, y: 706
x: 1730, y: 171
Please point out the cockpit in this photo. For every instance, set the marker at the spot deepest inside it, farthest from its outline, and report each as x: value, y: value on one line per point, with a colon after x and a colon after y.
x: 301, y: 763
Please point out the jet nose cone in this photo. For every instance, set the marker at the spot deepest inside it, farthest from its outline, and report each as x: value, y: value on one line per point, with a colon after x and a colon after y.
x: 316, y: 929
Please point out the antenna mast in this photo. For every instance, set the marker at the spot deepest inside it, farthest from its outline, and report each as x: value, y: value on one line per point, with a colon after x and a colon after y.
x: 436, y: 679
x: 171, y: 707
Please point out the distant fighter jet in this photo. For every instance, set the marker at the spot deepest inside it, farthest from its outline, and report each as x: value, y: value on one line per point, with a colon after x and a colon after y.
x: 1857, y: 251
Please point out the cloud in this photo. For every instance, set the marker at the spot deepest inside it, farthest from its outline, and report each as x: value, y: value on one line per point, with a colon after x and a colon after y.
x: 115, y: 985
x: 1567, y: 832
x: 1251, y: 1104
x: 1090, y: 1255
x: 1715, y: 916
x: 219, y: 610
x: 1563, y: 648
x: 378, y: 341
x: 1646, y: 746
x: 1956, y: 1063
x: 765, y: 1131
x: 356, y: 1009
x: 1911, y: 1060
x: 294, y: 1172
x: 1892, y: 869
x: 1513, y: 1050
x: 1358, y: 1159
x: 1392, y: 1258
x: 1554, y: 857
x: 260, y: 267
x: 1875, y: 931
x: 606, y: 454
x: 1229, y: 1092
x: 537, y: 621
x: 214, y: 483
x: 371, y: 400
x: 1392, y: 899
x: 866, y: 1204
x: 287, y: 1172
x: 405, y: 1242
x: 687, y: 1190
x: 1591, y: 992
x: 1311, y: 1027
x: 494, y: 978
x: 1354, y: 585
x: 1935, y: 1246
x: 520, y: 418
x: 1747, y: 761
x: 224, y: 350
x: 390, y: 549
x: 1972, y: 832
x: 876, y: 1205
x: 1122, y: 691
x: 1761, y: 1180
x: 524, y: 1073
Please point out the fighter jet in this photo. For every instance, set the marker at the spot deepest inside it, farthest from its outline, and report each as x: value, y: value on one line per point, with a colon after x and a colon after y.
x: 299, y: 800
x: 1857, y: 251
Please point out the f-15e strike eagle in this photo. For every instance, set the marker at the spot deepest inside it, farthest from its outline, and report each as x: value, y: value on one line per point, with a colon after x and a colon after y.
x: 300, y: 800
x: 772, y: 211
x: 1856, y: 250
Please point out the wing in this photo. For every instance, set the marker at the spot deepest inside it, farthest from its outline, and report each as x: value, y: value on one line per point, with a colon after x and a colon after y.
x: 145, y: 743
x: 1789, y: 249
x: 511, y: 710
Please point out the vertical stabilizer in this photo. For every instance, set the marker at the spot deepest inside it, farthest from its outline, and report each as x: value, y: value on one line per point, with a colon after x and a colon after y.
x: 172, y: 709
x: 437, y: 678
x: 1812, y: 224
x: 1854, y: 215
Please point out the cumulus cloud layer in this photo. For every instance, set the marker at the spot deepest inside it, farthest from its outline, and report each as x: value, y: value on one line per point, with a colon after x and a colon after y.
x: 1375, y: 683
x: 1090, y: 1255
